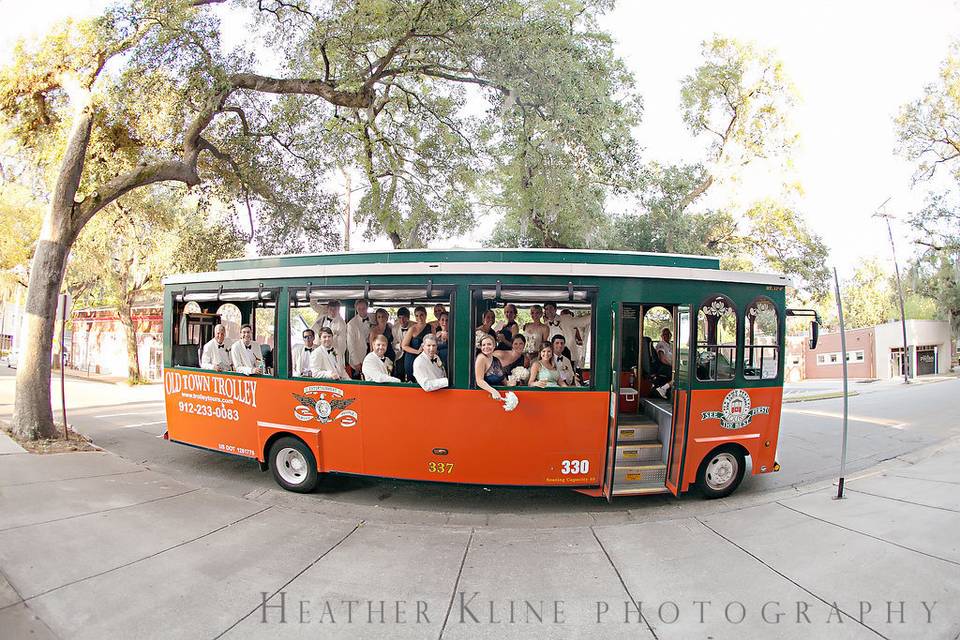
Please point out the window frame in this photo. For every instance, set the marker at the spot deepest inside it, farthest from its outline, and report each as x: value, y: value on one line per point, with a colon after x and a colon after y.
x: 737, y: 346
x: 775, y: 346
x: 449, y: 301
x: 180, y: 296
x: 475, y: 292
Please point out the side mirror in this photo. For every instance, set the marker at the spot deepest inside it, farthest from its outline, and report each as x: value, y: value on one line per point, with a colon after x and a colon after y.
x: 814, y: 324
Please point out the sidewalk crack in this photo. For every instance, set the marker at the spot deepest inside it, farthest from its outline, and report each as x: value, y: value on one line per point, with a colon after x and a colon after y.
x: 103, y: 475
x: 789, y: 579
x: 870, y: 535
x: 92, y: 513
x: 147, y: 557
x: 456, y: 583
x: 623, y: 583
x: 288, y: 582
x: 919, y: 504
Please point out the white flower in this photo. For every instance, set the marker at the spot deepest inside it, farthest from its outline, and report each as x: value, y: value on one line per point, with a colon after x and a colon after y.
x: 511, y: 401
x: 520, y: 374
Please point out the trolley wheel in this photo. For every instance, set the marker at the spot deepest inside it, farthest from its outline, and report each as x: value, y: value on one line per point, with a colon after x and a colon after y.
x: 293, y: 465
x: 721, y: 472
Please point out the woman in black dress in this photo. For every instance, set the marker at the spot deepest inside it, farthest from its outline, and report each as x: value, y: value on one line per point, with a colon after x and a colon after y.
x: 413, y: 340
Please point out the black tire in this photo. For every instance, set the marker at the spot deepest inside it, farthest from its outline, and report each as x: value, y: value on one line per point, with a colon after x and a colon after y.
x: 721, y: 472
x: 293, y: 465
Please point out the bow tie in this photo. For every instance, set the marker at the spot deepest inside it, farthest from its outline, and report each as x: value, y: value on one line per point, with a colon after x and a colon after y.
x: 219, y: 346
x: 383, y: 359
x: 326, y: 320
x: 332, y: 352
x: 249, y: 346
x: 308, y: 349
x: 554, y: 323
x: 435, y: 360
x: 364, y: 319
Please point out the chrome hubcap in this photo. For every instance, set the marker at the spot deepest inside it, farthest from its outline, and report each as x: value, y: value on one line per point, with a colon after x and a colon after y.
x: 291, y: 465
x: 721, y: 471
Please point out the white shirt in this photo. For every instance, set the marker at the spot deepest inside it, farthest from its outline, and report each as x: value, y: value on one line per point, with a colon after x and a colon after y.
x: 376, y: 370
x: 215, y: 353
x: 328, y: 365
x: 246, y: 360
x: 398, y: 333
x: 336, y: 324
x: 567, y: 326
x: 303, y: 359
x: 358, y: 336
x: 429, y: 372
x: 667, y: 349
x: 565, y: 370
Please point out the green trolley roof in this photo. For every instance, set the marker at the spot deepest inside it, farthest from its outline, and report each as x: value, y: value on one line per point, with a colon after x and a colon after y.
x: 401, y: 256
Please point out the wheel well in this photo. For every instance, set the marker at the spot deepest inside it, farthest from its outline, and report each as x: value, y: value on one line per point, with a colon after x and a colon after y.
x: 269, y: 443
x: 726, y: 446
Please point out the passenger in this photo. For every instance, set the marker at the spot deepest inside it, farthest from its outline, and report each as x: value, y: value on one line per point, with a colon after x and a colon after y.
x: 358, y: 335
x: 327, y: 362
x: 412, y: 341
x: 377, y: 365
x: 567, y: 324
x: 246, y: 354
x: 399, y: 330
x: 544, y: 371
x: 428, y: 370
x: 381, y: 327
x: 664, y: 349
x: 488, y: 370
x: 438, y: 310
x: 508, y: 329
x: 514, y: 357
x: 442, y: 333
x: 536, y: 331
x: 303, y: 355
x: 486, y: 327
x: 329, y: 316
x: 564, y: 366
x: 216, y: 354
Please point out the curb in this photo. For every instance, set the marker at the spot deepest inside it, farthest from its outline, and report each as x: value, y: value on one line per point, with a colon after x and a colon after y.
x: 821, y: 396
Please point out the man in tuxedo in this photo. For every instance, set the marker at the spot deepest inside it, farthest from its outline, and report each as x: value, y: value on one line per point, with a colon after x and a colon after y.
x: 216, y: 354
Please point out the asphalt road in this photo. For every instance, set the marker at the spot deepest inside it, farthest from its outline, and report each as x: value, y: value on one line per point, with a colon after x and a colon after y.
x: 883, y: 425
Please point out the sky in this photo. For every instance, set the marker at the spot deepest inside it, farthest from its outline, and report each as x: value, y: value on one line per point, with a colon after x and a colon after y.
x: 853, y: 63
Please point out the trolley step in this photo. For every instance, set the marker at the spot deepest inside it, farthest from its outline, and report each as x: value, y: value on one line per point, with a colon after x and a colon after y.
x: 629, y: 476
x: 639, y: 452
x: 636, y: 433
x: 641, y: 490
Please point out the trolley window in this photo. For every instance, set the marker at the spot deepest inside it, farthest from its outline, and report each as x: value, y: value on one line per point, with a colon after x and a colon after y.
x: 523, y: 320
x: 760, y: 350
x: 390, y: 311
x: 716, y: 339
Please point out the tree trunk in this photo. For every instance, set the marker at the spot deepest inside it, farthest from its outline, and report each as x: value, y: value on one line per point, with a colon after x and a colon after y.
x: 130, y: 328
x: 33, y: 415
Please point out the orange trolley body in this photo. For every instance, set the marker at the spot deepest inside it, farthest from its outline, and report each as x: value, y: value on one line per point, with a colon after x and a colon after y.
x: 725, y: 388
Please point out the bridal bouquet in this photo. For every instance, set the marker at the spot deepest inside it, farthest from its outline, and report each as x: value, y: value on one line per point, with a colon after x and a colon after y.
x: 520, y: 375
x: 510, y: 401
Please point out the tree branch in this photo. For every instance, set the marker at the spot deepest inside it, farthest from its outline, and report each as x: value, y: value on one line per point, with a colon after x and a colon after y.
x: 327, y: 90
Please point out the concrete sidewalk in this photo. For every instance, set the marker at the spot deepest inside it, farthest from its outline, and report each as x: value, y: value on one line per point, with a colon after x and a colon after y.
x: 92, y: 546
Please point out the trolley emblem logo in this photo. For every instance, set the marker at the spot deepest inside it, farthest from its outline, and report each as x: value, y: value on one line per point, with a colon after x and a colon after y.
x: 735, y: 412
x: 324, y: 404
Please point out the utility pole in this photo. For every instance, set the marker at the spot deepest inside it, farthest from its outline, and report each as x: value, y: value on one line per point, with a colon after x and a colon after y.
x: 905, y: 360
x: 846, y: 398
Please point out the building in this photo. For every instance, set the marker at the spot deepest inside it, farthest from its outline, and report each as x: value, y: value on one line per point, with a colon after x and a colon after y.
x: 99, y: 341
x: 874, y: 352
